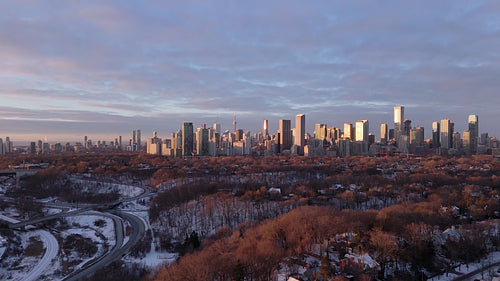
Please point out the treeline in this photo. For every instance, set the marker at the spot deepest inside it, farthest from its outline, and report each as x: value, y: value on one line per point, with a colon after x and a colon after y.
x: 411, y: 245
x: 55, y: 182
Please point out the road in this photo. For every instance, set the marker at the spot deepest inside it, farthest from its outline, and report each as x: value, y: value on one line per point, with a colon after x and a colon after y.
x: 46, y: 218
x: 78, y: 211
x: 116, y: 253
x: 51, y: 250
x: 137, y: 232
x: 477, y: 271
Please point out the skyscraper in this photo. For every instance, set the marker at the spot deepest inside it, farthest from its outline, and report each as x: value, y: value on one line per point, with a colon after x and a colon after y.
x: 474, y: 132
x: 265, y: 129
x: 234, y: 122
x: 202, y: 141
x: 399, y: 114
x: 8, y: 145
x: 348, y: 131
x: 362, y: 129
x: 138, y: 139
x: 436, y: 131
x: 217, y: 128
x: 320, y: 131
x: 383, y: 133
x: 417, y: 136
x: 466, y: 142
x: 300, y: 132
x: 300, y: 126
x: 187, y: 139
x: 446, y: 133
x: 285, y: 135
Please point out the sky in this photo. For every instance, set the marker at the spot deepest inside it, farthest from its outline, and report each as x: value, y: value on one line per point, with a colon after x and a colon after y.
x: 104, y: 68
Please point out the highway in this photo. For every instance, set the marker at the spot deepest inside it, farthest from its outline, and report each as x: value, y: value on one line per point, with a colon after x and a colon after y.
x: 118, y: 251
x: 51, y: 250
x: 87, y: 207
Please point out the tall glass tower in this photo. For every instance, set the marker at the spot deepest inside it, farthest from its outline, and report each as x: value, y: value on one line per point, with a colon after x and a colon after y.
x: 474, y: 132
x: 187, y: 139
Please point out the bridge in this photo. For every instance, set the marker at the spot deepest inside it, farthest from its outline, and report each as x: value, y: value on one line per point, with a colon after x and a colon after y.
x: 17, y: 174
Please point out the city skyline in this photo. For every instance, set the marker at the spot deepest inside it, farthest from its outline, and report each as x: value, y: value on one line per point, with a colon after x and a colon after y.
x: 75, y: 69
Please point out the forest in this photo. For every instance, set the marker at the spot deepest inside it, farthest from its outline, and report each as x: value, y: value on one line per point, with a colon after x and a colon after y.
x: 262, y: 218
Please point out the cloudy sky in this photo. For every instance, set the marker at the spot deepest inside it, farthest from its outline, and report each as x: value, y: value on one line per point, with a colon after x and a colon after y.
x: 103, y: 68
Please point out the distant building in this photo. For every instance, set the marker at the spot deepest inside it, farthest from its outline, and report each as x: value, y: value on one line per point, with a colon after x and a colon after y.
x: 187, y: 139
x: 446, y: 133
x: 285, y: 135
x: 399, y: 113
x: 466, y: 142
x: 474, y: 132
x: 154, y: 145
x: 300, y: 132
x: 383, y: 133
x: 417, y: 136
x: 202, y: 141
x: 320, y: 131
x: 436, y: 131
x: 362, y: 129
x: 265, y: 129
x: 348, y: 131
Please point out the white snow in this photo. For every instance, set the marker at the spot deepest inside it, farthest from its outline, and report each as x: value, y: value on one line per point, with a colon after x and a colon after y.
x: 87, y: 220
x: 491, y: 258
x: 51, y: 250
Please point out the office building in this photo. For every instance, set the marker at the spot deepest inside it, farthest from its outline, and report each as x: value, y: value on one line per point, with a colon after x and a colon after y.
x: 265, y: 129
x: 202, y: 141
x: 218, y: 128
x: 320, y: 131
x: 333, y: 134
x: 187, y: 139
x: 138, y: 139
x: 300, y: 133
x: 300, y: 130
x: 399, y: 113
x: 446, y: 133
x: 417, y: 137
x: 436, y: 131
x: 285, y: 135
x: 33, y: 147
x: 474, y: 132
x: 348, y: 131
x: 362, y: 129
x: 383, y: 133
x: 466, y: 142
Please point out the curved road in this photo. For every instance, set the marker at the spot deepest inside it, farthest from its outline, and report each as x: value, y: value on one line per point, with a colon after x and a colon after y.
x: 137, y: 232
x: 116, y: 253
x: 51, y: 250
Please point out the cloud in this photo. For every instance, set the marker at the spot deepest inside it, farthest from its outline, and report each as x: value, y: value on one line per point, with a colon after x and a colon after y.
x: 153, y: 65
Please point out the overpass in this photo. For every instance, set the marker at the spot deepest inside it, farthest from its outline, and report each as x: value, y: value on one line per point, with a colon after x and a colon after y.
x: 88, y: 207
x: 17, y: 174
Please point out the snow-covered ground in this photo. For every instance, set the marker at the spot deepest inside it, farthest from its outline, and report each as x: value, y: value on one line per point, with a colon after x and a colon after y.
x: 87, y: 221
x: 492, y: 258
x: 154, y: 259
x: 43, y: 266
x: 125, y: 190
x: 51, y: 250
